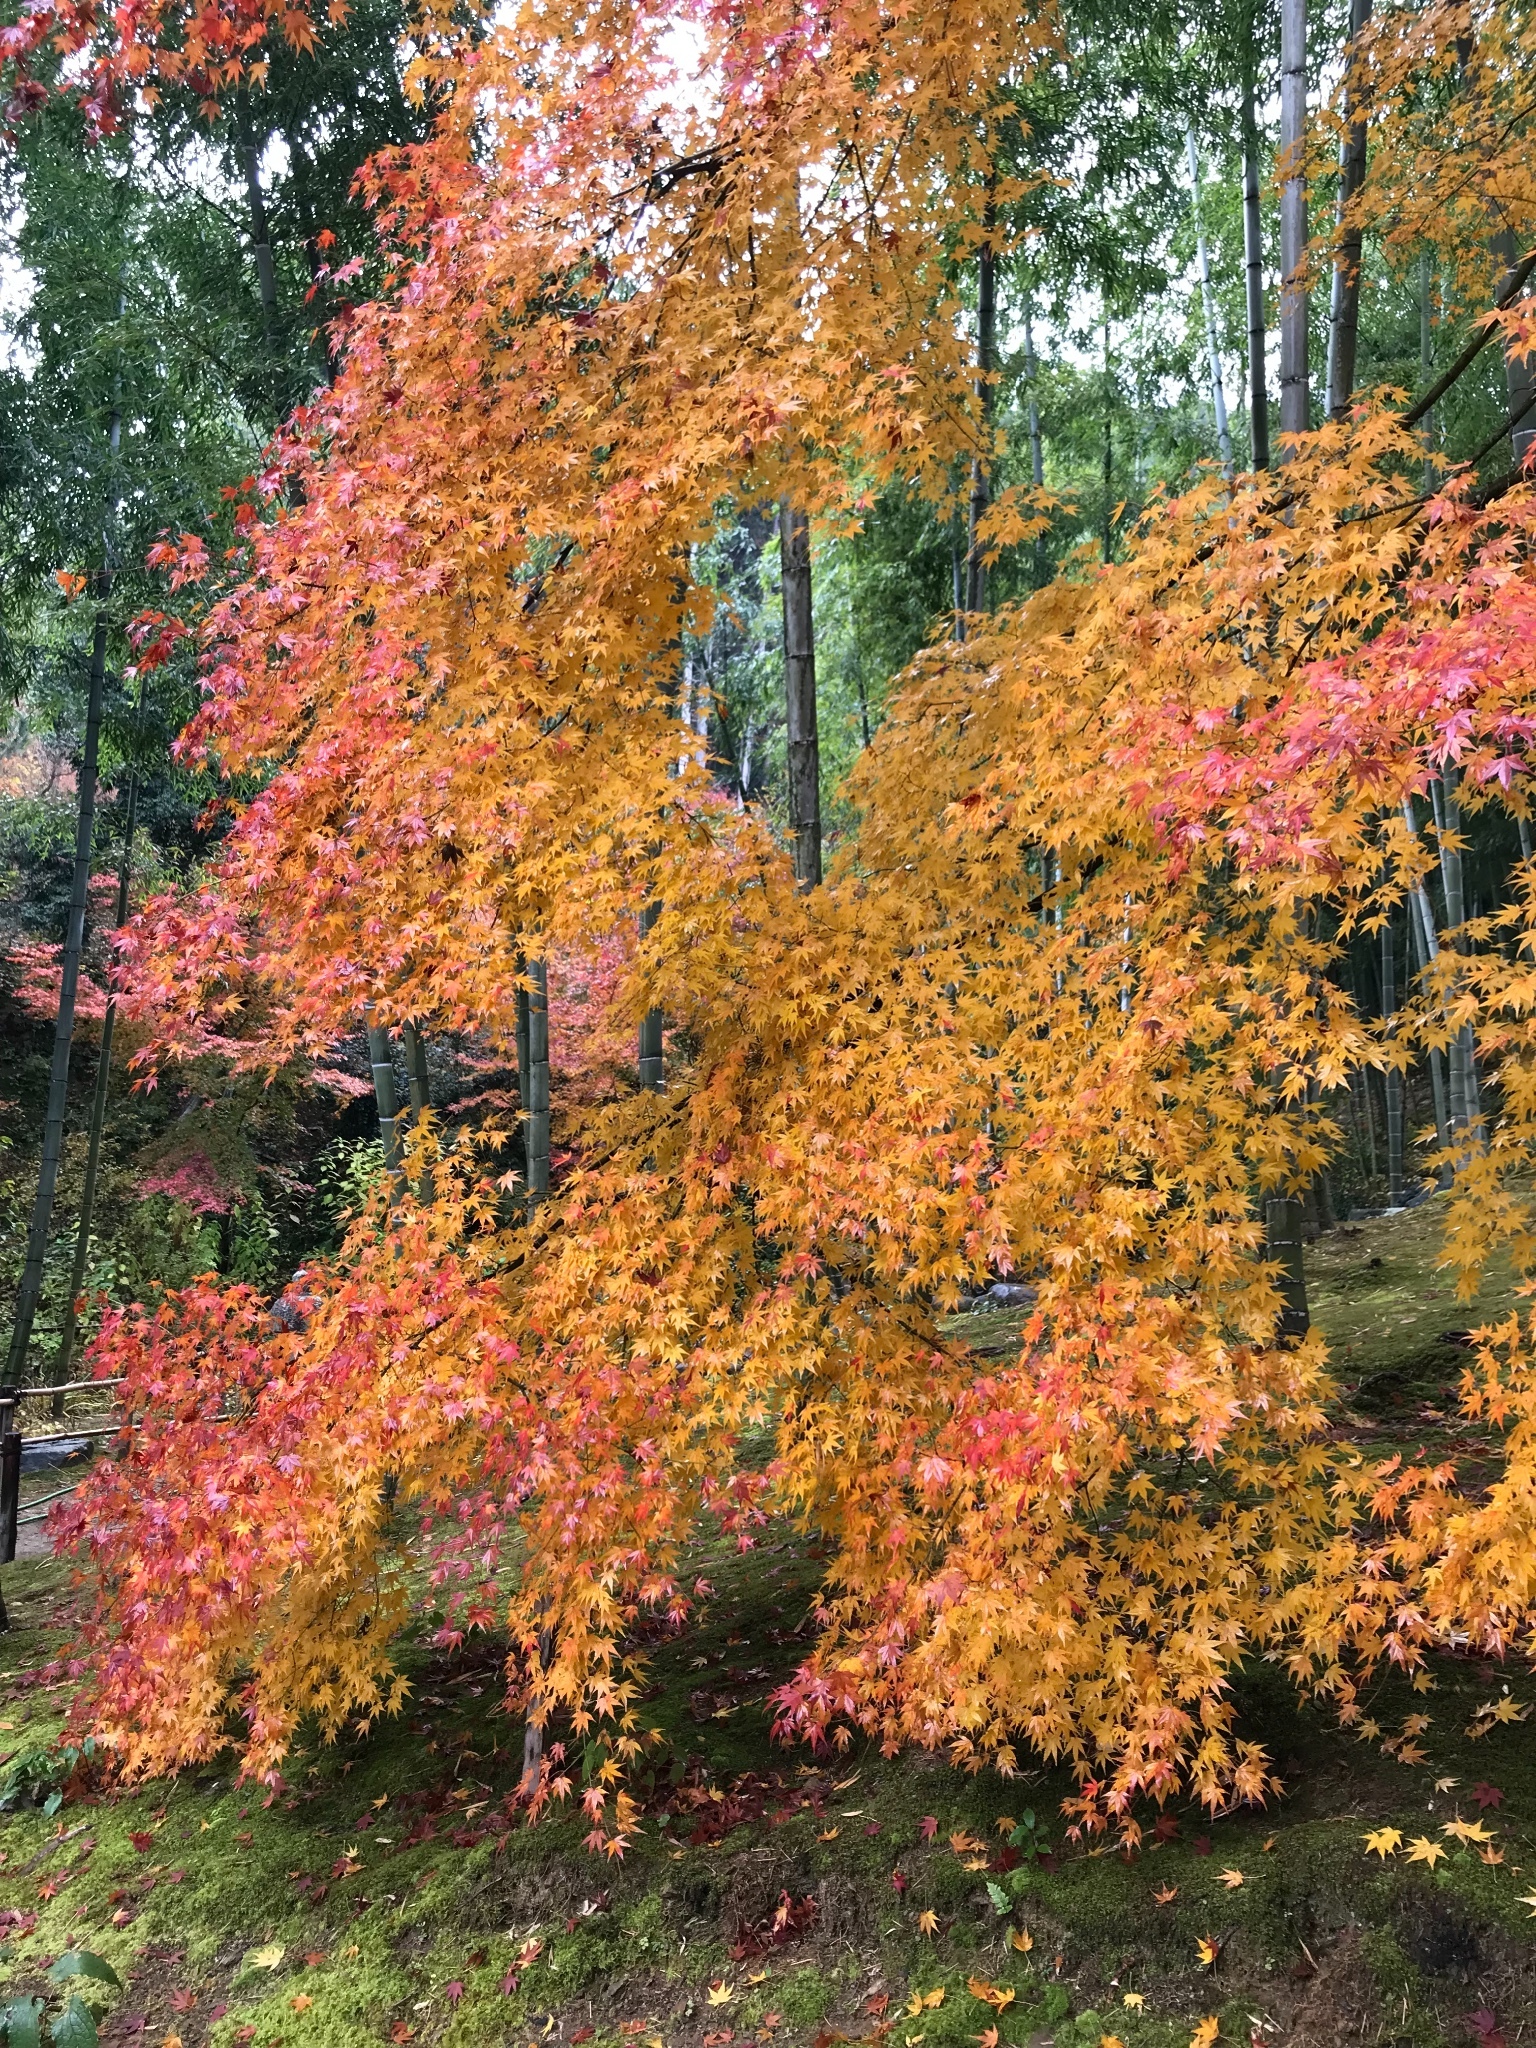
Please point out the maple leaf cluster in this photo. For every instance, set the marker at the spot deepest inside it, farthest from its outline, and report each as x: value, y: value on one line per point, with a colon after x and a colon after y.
x: 1062, y: 1011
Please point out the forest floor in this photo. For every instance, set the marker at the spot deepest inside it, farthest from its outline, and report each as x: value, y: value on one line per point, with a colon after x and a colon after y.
x: 390, y: 1894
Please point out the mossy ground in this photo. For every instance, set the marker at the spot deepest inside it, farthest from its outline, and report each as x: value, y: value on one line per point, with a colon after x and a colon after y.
x: 389, y: 1895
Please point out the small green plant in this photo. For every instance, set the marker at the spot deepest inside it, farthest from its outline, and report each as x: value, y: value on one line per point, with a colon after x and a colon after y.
x: 72, y: 2024
x: 40, y: 1776
x: 345, y: 1176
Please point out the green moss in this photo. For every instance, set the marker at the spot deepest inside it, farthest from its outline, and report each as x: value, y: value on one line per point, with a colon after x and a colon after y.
x: 805, y: 1996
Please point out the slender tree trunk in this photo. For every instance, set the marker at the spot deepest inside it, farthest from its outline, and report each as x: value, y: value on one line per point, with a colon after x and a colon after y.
x: 381, y: 1061
x: 1393, y: 1077
x: 1031, y: 375
x: 64, y: 1355
x: 804, y: 749
x: 1109, y: 445
x: 1295, y: 397
x: 981, y: 462
x: 417, y: 1079
x: 1420, y: 920
x: 652, y: 1060
x: 1253, y: 273
x: 261, y: 240
x: 31, y: 1290
x: 1427, y: 360
x: 535, y: 1096
x: 1344, y: 308
x: 1448, y: 832
x: 1427, y: 947
x: 1283, y: 1228
x: 1212, y: 334
x: 419, y: 1084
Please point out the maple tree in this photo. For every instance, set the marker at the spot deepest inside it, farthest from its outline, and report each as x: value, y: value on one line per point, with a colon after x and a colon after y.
x: 1061, y: 1009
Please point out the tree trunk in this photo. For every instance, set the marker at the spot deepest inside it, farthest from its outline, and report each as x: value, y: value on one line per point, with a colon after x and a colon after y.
x: 1031, y: 373
x: 800, y: 694
x: 1295, y: 405
x: 65, y: 1353
x: 1421, y: 924
x: 1253, y: 271
x: 652, y: 1053
x: 31, y: 1289
x: 1393, y: 1077
x: 1212, y: 337
x: 1283, y: 1245
x: 986, y: 363
x: 261, y: 240
x: 419, y: 1082
x: 1427, y: 360
x: 1344, y: 308
x: 381, y: 1060
x: 1109, y: 444
x: 535, y: 1096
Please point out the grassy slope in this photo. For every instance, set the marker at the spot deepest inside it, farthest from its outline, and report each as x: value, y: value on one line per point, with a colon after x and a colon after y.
x: 429, y: 1896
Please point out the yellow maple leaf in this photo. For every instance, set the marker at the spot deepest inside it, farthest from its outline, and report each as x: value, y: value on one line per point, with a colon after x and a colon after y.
x: 720, y: 1993
x: 301, y: 2002
x: 1384, y: 1842
x: 1467, y: 1830
x: 976, y: 1863
x: 928, y: 1923
x: 1422, y: 1850
x: 1110, y: 2041
x: 1266, y: 1846
x: 1208, y: 1951
x: 1134, y: 2000
x: 829, y: 1834
x: 994, y: 1995
x: 1205, y: 2034
x: 1232, y: 1879
x: 1022, y: 1940
x: 1166, y: 1894
x: 1005, y: 1823
x: 1410, y: 1753
x: 934, y: 1998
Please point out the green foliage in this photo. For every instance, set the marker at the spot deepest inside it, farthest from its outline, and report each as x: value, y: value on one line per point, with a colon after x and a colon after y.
x: 346, y: 1174
x: 73, y: 2024
x: 39, y: 1772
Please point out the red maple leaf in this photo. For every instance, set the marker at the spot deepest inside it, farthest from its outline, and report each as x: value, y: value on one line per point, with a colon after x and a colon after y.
x: 1487, y: 1795
x: 453, y: 1991
x: 183, y: 2001
x: 143, y: 1843
x: 928, y: 1826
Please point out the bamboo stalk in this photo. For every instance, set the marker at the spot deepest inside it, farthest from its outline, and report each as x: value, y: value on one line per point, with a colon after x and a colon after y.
x: 1295, y: 394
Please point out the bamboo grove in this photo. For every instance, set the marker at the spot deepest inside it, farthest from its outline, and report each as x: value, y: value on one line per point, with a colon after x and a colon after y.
x: 1064, y: 1007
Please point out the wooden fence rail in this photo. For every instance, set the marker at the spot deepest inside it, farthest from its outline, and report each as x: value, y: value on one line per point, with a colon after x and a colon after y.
x: 11, y: 1398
